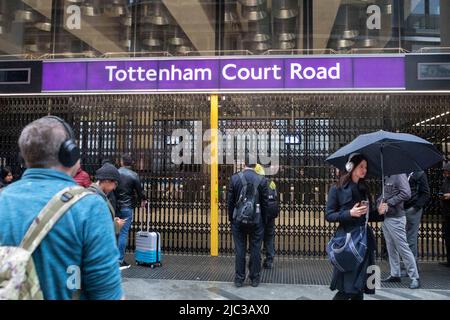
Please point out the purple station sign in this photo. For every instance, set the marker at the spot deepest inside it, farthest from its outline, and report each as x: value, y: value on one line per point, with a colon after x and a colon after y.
x: 226, y: 74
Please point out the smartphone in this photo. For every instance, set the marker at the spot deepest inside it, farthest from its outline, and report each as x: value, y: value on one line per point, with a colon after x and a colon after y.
x: 440, y: 194
x: 364, y: 203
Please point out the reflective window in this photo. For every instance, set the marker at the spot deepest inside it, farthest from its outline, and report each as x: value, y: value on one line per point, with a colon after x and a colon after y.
x: 421, y: 24
x: 131, y: 28
x: 25, y: 27
x: 260, y: 25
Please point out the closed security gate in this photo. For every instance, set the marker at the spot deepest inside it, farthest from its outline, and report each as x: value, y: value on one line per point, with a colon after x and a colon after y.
x: 168, y: 137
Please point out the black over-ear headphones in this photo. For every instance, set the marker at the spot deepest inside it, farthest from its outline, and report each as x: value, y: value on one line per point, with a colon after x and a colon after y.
x: 69, y: 153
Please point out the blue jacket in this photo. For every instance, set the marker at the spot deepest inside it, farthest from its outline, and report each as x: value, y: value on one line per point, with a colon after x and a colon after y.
x: 83, y: 238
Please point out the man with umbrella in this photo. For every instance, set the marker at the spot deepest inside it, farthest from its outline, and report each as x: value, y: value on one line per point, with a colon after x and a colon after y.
x: 392, y: 155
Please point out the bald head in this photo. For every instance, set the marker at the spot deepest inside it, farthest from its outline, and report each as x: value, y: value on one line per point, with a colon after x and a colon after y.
x: 40, y: 141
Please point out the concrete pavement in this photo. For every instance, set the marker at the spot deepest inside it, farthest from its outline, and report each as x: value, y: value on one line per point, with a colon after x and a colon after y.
x: 154, y: 289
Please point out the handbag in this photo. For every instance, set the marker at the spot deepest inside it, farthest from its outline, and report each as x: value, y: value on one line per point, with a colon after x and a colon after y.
x: 346, y: 251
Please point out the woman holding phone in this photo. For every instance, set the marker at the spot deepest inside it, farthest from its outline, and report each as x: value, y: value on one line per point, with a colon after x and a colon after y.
x: 349, y: 204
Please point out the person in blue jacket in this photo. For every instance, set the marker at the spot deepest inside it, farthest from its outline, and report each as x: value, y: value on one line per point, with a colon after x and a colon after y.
x: 347, y: 205
x: 81, y: 245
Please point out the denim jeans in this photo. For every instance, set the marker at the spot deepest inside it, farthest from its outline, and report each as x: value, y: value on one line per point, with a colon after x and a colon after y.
x: 125, y: 213
x: 253, y: 235
x: 269, y: 237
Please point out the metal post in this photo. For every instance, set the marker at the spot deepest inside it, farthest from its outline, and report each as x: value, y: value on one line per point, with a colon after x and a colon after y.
x: 214, y: 175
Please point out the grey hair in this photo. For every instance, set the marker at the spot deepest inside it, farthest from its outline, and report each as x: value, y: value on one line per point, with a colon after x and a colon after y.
x: 40, y: 141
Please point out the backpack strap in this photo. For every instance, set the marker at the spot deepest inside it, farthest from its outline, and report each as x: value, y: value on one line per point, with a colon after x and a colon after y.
x: 50, y: 214
x: 243, y: 180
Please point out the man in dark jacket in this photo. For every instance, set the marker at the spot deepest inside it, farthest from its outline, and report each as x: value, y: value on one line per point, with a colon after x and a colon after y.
x: 420, y: 195
x: 252, y: 233
x: 269, y: 217
x: 129, y: 195
x: 445, y: 207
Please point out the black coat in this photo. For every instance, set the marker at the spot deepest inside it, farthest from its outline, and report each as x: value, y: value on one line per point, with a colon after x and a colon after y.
x: 445, y: 204
x: 129, y: 191
x: 420, y: 191
x: 340, y: 201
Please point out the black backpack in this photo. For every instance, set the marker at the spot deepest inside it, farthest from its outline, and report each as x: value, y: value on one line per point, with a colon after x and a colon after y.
x: 247, y: 210
x: 273, y: 207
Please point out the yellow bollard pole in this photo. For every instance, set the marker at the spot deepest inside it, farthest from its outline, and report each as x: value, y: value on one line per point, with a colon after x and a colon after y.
x: 214, y: 176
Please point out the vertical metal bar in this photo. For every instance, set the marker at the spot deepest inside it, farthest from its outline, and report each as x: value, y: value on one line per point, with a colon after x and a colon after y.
x: 214, y: 206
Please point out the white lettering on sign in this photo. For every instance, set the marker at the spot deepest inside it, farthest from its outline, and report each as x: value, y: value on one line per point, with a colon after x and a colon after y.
x: 232, y: 72
x: 320, y: 73
x: 170, y: 74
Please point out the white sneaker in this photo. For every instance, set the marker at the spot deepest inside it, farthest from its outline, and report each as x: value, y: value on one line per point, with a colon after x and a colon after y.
x: 123, y: 265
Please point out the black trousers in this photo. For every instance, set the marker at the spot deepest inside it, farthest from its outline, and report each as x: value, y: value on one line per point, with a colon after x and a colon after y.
x: 269, y: 239
x: 243, y: 236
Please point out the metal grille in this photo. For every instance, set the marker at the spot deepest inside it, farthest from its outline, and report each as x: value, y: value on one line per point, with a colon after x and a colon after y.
x: 311, y: 126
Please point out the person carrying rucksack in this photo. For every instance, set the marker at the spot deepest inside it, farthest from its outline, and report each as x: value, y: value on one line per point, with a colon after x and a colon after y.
x: 56, y: 238
x: 269, y: 216
x: 247, y: 202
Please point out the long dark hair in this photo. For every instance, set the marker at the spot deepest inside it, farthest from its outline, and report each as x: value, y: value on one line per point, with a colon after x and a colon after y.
x: 345, y: 178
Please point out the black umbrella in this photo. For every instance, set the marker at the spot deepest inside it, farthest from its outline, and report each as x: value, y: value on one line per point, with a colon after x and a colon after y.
x: 389, y: 153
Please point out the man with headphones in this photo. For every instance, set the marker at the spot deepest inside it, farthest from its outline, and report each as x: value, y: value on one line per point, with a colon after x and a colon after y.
x: 79, y: 252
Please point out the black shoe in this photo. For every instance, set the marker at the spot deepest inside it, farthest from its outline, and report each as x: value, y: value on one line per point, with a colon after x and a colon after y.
x: 124, y: 265
x: 238, y: 283
x: 267, y: 265
x: 255, y: 282
x: 445, y: 264
x: 392, y: 279
x: 415, y: 284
